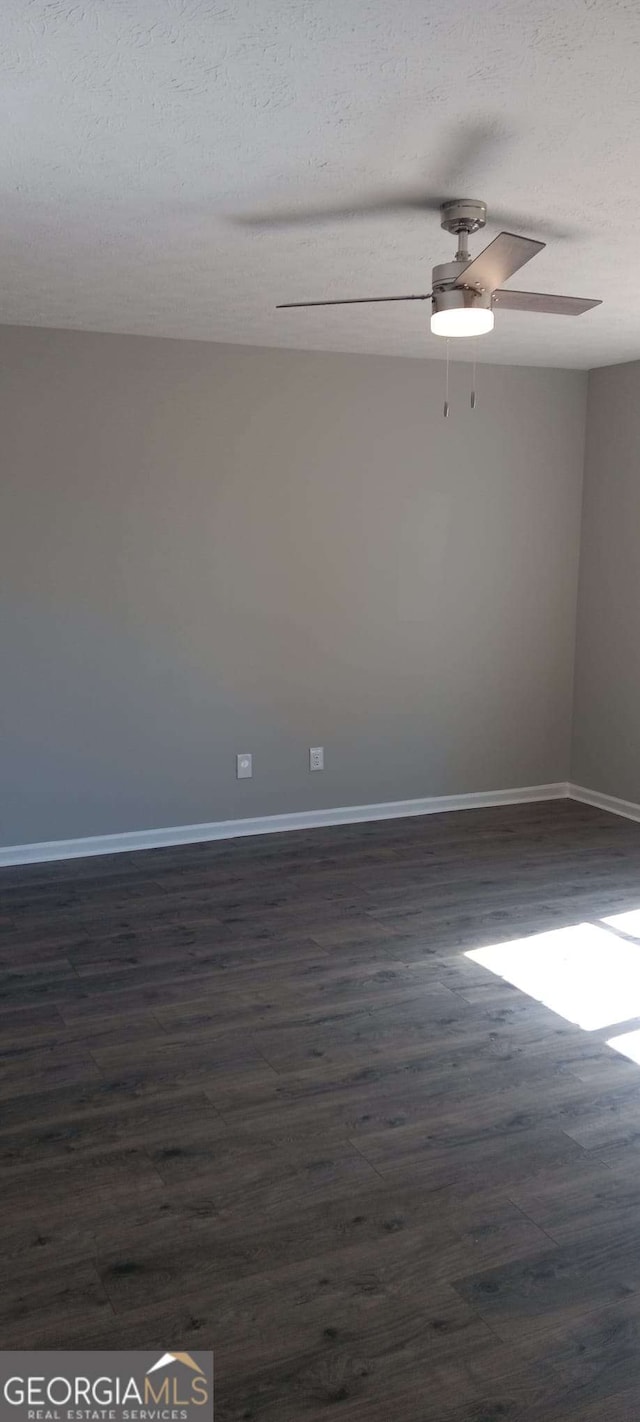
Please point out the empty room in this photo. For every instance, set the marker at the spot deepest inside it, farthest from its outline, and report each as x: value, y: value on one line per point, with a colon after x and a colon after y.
x: 320, y: 748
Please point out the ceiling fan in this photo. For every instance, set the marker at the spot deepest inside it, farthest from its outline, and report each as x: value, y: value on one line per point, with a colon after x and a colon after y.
x: 466, y: 290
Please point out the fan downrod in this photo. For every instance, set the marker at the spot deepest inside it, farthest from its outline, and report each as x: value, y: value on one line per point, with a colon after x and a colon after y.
x: 462, y: 217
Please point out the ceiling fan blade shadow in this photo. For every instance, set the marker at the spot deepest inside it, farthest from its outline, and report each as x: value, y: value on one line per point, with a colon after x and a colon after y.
x: 375, y: 205
x: 462, y: 157
x: 470, y: 145
x: 530, y: 222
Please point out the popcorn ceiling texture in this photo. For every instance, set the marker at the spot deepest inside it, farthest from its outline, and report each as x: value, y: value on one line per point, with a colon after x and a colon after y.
x: 132, y: 130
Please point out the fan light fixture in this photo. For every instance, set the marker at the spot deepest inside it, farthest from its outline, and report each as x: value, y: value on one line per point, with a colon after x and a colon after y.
x: 463, y: 321
x: 465, y: 290
x: 459, y: 310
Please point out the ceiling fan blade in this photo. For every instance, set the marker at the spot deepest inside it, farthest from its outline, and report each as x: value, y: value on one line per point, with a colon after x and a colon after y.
x: 350, y: 301
x: 540, y: 301
x: 497, y: 262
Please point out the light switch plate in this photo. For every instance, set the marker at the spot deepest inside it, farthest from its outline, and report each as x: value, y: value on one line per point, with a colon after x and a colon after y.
x: 244, y: 766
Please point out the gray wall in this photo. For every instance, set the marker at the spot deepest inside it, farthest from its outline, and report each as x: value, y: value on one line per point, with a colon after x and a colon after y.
x: 606, y: 746
x: 210, y: 549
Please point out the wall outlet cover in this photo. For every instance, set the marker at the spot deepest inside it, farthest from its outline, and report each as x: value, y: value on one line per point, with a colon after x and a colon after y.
x: 316, y: 757
x: 244, y: 766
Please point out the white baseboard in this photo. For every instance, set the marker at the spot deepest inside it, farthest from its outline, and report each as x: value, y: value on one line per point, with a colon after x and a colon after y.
x: 272, y: 824
x: 627, y: 808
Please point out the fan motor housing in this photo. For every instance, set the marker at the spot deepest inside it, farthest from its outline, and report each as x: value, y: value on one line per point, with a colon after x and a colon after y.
x: 449, y: 297
x: 447, y: 273
x: 458, y: 298
x: 463, y: 215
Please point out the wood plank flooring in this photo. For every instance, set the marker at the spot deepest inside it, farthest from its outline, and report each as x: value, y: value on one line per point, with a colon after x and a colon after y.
x: 254, y: 1097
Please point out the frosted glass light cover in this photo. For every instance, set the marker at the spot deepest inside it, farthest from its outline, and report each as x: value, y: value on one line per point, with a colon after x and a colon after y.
x: 462, y: 321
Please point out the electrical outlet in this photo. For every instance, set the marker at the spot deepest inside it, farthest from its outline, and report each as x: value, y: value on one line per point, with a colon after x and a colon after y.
x: 244, y: 766
x: 316, y: 757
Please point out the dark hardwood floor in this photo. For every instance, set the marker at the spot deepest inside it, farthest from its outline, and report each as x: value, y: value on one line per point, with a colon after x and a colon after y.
x: 254, y: 1097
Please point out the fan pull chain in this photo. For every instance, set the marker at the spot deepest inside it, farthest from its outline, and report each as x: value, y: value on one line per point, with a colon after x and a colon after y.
x: 446, y: 387
x: 473, y: 385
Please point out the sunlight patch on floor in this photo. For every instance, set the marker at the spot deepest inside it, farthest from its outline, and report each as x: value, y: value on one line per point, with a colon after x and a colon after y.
x: 628, y: 1044
x: 585, y: 973
x: 626, y: 922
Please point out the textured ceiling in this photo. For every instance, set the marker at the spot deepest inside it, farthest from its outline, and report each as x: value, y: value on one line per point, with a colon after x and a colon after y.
x: 132, y: 129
